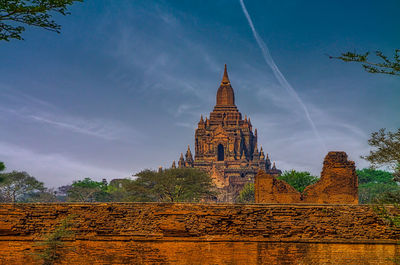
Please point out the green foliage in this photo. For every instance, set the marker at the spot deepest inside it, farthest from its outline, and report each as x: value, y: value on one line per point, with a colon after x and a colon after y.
x: 298, y: 180
x: 171, y: 185
x: 247, y: 194
x: 2, y: 168
x: 16, y: 14
x: 386, y: 66
x: 386, y: 148
x: 386, y: 151
x: 370, y: 175
x: 88, y: 190
x: 126, y: 190
x: 391, y: 217
x: 52, y: 247
x: 377, y: 186
x: 374, y: 184
x: 16, y: 185
x: 388, y: 197
x: 371, y: 192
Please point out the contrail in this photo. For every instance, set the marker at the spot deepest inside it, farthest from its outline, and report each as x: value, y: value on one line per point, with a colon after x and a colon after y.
x: 281, y: 78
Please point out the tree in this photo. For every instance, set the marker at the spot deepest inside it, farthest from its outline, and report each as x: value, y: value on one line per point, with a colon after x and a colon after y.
x: 16, y: 14
x: 88, y: 190
x: 2, y: 168
x: 374, y: 192
x: 47, y: 195
x: 118, y: 190
x: 171, y: 185
x: 386, y: 150
x: 16, y: 185
x: 62, y: 192
x: 298, y: 180
x: 370, y: 175
x: 374, y: 184
x: 386, y: 66
x: 246, y: 195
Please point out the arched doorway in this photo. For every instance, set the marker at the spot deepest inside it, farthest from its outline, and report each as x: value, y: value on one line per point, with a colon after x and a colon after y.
x: 220, y: 152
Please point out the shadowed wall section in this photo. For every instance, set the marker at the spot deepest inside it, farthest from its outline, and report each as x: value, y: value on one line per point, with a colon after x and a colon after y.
x: 123, y: 233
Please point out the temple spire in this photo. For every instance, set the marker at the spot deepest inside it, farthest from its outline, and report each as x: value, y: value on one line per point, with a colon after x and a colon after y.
x: 201, y: 123
x: 225, y: 94
x: 181, y: 162
x: 225, y: 78
x: 189, y: 158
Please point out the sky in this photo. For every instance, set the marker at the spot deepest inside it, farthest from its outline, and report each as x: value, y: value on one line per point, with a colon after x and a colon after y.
x: 122, y: 88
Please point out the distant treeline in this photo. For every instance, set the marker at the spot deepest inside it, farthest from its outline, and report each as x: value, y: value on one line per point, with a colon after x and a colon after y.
x: 173, y: 185
x: 169, y: 185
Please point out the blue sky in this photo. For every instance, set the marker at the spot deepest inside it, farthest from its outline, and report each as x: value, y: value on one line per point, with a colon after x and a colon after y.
x: 123, y: 86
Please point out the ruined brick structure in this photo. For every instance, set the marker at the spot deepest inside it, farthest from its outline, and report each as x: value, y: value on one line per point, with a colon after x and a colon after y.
x: 268, y: 189
x: 226, y: 147
x: 185, y: 233
x: 338, y: 185
x: 338, y: 182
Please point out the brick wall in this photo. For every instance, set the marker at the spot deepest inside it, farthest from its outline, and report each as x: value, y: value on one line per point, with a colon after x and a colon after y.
x: 122, y: 233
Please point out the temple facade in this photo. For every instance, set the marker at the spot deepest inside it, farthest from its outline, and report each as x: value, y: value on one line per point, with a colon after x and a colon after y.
x: 226, y: 147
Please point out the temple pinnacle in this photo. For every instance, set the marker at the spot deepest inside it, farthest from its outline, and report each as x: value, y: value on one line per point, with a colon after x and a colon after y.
x: 225, y: 78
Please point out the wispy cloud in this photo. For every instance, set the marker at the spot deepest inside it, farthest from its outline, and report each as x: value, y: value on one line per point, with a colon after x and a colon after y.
x: 29, y: 108
x: 95, y: 127
x: 162, y: 60
x: 292, y: 145
x: 53, y: 168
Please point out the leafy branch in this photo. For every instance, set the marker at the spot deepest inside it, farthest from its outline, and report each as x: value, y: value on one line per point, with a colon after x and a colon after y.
x: 386, y: 148
x: 390, y: 66
x: 15, y: 14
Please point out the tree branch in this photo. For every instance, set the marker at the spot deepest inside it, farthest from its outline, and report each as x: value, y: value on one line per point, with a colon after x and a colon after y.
x: 387, y: 67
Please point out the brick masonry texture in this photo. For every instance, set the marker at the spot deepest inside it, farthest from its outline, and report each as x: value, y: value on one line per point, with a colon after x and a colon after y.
x: 268, y: 189
x: 338, y: 184
x: 131, y: 233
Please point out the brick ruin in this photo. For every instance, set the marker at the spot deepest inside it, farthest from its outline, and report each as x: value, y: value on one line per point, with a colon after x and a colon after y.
x: 226, y: 147
x: 269, y: 189
x: 338, y: 185
x: 338, y: 182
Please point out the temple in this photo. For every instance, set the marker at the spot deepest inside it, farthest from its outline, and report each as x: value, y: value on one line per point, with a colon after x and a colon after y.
x: 226, y: 147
